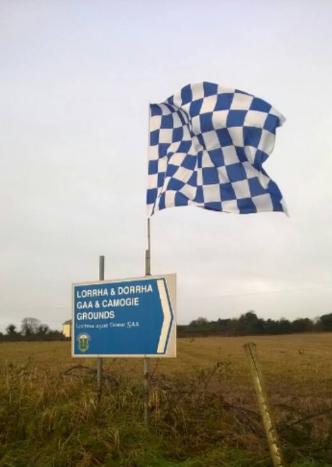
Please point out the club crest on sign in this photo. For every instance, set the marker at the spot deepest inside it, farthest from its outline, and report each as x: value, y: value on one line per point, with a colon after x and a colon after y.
x: 83, y: 341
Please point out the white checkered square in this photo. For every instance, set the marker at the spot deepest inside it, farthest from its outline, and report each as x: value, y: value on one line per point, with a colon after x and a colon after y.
x: 255, y: 118
x: 219, y: 119
x: 241, y: 101
x: 209, y: 104
x: 267, y: 141
x: 183, y: 174
x: 166, y: 136
x: 211, y: 193
x: 196, y: 125
x: 236, y: 133
x: 153, y: 153
x: 211, y: 140
x: 230, y: 206
x: 230, y: 155
x: 155, y: 122
x: 241, y: 189
x: 263, y: 202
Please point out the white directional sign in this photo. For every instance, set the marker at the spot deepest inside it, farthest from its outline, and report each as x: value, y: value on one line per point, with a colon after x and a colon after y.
x: 125, y: 318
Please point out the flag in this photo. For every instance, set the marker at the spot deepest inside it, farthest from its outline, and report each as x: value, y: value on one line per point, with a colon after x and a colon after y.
x: 207, y: 148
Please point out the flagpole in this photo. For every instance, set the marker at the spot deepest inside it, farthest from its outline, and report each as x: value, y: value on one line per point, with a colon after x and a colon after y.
x: 148, y: 251
x: 147, y: 273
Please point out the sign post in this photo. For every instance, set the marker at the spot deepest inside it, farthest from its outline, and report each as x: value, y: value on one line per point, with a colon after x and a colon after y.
x: 146, y: 374
x: 125, y: 318
x: 99, y: 359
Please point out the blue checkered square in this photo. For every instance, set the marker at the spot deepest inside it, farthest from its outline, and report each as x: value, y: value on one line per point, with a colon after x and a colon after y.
x: 210, y: 176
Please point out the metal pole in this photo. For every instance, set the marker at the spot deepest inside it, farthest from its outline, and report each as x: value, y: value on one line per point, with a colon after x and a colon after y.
x: 264, y: 406
x: 146, y: 375
x: 146, y: 390
x: 99, y: 359
x: 149, y: 245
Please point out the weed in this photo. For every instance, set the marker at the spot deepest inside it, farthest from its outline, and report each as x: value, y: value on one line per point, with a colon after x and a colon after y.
x: 50, y: 416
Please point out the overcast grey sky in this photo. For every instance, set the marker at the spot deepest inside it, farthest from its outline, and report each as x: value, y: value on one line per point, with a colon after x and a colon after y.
x: 76, y: 78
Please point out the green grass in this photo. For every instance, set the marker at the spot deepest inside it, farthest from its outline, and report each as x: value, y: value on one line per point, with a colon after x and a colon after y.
x: 202, y: 406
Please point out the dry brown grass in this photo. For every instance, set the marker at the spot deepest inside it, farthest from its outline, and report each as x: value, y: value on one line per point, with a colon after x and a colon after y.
x: 302, y: 361
x: 202, y: 398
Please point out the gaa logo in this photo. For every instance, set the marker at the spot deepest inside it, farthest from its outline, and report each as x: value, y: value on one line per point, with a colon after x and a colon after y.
x: 83, y: 341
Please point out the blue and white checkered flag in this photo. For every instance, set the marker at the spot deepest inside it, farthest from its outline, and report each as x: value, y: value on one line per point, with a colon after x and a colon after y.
x: 207, y: 148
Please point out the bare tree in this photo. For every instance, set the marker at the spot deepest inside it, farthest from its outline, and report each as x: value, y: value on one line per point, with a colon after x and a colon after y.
x: 42, y: 329
x: 11, y: 330
x: 200, y: 321
x: 30, y: 326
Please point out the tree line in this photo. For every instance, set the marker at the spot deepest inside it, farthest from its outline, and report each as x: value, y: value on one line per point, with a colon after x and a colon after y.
x: 32, y: 329
x: 249, y: 324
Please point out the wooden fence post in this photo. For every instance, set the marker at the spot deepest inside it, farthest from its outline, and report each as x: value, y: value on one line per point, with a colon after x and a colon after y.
x: 264, y: 406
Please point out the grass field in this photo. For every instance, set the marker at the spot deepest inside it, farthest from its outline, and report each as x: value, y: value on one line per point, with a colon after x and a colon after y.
x: 202, y: 406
